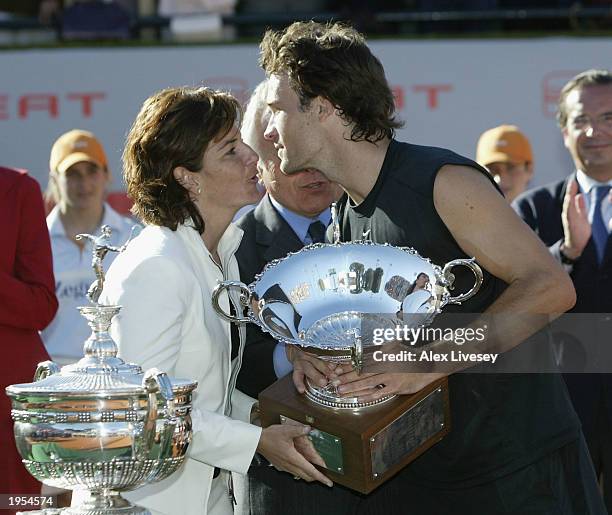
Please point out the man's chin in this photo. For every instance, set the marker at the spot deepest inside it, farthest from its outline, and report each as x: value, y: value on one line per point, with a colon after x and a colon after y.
x: 287, y: 169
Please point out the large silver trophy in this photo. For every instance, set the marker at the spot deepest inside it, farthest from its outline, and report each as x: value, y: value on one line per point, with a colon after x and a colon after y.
x: 330, y: 299
x: 101, y: 424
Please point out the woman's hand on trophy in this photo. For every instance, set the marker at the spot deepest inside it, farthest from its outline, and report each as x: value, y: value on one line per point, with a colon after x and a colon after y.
x: 305, y: 447
x: 318, y: 371
x: 371, y: 387
x: 278, y: 445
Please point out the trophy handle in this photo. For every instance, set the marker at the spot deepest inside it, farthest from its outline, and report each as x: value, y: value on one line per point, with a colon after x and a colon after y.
x: 245, y: 300
x: 46, y: 369
x: 153, y: 382
x: 449, y: 279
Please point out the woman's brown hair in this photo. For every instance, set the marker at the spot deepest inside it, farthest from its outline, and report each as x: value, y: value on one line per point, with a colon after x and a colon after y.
x: 173, y: 128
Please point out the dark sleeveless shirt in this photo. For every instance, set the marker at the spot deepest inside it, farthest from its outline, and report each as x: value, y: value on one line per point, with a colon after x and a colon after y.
x: 499, y: 422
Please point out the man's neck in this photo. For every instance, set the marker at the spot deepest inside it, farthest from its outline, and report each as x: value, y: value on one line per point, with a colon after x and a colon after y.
x: 80, y: 221
x: 358, y: 166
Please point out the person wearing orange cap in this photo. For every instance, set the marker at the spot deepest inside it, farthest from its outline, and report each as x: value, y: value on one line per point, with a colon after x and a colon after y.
x: 78, y: 179
x: 506, y: 153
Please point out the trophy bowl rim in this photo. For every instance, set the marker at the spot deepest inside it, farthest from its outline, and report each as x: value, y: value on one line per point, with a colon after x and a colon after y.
x: 317, y: 246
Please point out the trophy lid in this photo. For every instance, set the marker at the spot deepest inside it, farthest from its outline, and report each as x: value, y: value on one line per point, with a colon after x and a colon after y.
x: 112, y: 380
x: 99, y: 373
x: 79, y: 379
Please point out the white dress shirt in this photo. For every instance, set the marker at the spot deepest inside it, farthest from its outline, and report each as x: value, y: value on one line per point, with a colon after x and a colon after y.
x: 65, y: 336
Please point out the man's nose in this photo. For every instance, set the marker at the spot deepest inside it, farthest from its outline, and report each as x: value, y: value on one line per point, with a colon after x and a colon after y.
x: 270, y: 133
x: 594, y: 126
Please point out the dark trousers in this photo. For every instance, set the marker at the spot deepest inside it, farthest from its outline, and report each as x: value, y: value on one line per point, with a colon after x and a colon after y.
x: 561, y: 483
x: 600, y: 447
x: 591, y: 397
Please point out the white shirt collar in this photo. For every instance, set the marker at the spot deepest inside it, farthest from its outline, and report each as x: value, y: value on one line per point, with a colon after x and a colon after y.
x: 587, y: 183
x: 227, y: 246
x: 110, y: 218
x: 300, y: 223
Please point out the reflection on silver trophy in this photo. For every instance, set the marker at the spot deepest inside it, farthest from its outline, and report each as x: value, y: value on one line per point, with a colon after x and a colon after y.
x: 328, y: 298
x: 101, y: 424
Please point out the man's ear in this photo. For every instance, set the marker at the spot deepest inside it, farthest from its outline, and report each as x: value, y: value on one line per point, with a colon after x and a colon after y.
x: 564, y: 134
x: 53, y: 181
x: 324, y: 108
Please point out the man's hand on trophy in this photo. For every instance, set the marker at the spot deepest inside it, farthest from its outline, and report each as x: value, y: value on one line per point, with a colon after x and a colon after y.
x: 318, y: 371
x: 279, y: 445
x: 371, y: 387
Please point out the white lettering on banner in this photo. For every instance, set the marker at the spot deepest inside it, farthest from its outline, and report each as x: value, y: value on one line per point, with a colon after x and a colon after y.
x: 49, y: 103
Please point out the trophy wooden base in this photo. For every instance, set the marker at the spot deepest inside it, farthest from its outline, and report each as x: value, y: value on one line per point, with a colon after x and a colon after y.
x: 362, y: 448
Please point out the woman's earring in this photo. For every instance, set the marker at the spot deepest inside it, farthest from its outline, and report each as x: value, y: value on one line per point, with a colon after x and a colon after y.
x: 199, y: 189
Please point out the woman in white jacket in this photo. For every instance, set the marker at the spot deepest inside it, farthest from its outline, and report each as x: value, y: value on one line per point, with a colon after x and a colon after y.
x: 188, y: 172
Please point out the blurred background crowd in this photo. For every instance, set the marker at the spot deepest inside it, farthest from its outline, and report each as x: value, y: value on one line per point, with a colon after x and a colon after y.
x: 189, y: 20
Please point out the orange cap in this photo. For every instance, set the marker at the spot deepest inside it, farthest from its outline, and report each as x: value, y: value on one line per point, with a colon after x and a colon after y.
x: 73, y: 147
x: 503, y: 144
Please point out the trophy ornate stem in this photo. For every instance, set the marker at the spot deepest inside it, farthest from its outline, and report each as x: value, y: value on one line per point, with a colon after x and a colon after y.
x: 100, y: 344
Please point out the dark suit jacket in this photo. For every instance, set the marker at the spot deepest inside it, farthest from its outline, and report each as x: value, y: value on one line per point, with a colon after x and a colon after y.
x: 267, y: 236
x: 541, y: 208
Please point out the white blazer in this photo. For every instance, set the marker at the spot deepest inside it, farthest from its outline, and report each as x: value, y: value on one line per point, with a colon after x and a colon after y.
x: 164, y: 281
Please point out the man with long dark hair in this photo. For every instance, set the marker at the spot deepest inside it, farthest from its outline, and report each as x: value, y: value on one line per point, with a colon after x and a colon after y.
x: 332, y: 110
